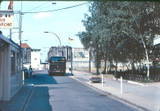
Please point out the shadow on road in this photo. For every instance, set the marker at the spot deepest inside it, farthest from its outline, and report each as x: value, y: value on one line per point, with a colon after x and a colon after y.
x: 40, y: 93
x: 39, y: 100
x: 38, y: 79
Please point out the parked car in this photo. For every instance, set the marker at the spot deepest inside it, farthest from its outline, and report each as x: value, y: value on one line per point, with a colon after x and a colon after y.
x: 95, y: 79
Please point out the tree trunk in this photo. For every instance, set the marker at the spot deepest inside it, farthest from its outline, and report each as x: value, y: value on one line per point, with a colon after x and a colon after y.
x: 133, y: 67
x: 116, y: 74
x: 105, y: 65
x: 147, y: 56
x: 110, y: 62
x: 90, y: 61
x: 144, y: 45
x: 97, y: 63
x: 116, y: 66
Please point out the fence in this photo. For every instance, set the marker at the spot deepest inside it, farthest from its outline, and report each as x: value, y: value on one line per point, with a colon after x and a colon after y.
x: 139, y: 75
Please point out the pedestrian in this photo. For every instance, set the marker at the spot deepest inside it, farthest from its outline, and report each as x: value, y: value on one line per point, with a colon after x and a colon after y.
x: 30, y: 71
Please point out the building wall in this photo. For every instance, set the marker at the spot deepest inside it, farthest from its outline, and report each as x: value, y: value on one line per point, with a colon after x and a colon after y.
x: 16, y: 74
x: 10, y: 69
x: 26, y: 55
x: 1, y: 76
x: 35, y: 59
x: 5, y: 92
x: 80, y: 54
x: 65, y: 51
x: 4, y: 74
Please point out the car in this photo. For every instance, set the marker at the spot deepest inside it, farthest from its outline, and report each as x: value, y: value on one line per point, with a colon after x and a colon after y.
x: 96, y: 79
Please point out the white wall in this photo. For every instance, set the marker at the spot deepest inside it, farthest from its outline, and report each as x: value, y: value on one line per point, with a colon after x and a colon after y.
x: 77, y: 54
x: 16, y: 78
x: 5, y: 74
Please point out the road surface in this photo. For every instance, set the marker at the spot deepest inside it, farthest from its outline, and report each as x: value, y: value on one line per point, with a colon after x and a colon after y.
x: 61, y: 93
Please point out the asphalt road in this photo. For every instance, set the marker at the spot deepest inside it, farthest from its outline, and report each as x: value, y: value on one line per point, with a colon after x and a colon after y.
x: 61, y: 93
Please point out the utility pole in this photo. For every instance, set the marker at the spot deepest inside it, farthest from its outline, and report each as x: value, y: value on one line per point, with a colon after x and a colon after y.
x: 20, y: 27
x: 20, y: 42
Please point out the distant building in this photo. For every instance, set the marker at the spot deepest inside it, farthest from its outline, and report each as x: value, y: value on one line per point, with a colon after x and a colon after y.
x: 65, y: 51
x: 35, y: 59
x: 10, y: 68
x: 80, y: 54
x: 80, y: 59
x: 26, y: 54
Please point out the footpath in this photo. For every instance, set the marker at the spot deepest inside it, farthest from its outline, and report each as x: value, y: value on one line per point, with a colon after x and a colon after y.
x: 33, y: 96
x: 18, y: 102
x: 143, y: 95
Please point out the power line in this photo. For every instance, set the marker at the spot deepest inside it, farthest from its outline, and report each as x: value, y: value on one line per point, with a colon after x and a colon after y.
x: 39, y: 6
x: 73, y: 6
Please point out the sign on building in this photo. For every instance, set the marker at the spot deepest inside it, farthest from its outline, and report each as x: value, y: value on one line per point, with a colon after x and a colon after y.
x: 6, y: 19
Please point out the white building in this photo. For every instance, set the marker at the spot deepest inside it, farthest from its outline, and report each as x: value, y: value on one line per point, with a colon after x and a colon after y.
x: 65, y: 51
x: 26, y: 55
x: 80, y: 54
x: 80, y: 58
x: 10, y: 69
x: 35, y: 59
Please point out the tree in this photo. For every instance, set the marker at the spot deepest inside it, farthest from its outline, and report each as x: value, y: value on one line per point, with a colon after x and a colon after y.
x: 123, y: 30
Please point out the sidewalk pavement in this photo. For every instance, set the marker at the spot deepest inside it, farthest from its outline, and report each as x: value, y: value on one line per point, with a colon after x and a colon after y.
x: 32, y: 94
x: 146, y: 96
x: 18, y: 102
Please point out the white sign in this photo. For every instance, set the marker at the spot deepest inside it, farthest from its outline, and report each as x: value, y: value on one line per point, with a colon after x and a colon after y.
x: 6, y: 19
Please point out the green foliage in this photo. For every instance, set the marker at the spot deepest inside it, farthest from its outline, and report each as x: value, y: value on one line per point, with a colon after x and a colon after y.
x: 121, y: 31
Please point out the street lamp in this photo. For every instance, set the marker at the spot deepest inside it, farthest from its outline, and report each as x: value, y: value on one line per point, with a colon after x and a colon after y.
x: 55, y: 35
x: 57, y: 38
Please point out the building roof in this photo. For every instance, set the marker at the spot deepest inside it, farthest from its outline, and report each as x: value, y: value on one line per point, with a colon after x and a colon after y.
x: 25, y: 45
x: 4, y: 40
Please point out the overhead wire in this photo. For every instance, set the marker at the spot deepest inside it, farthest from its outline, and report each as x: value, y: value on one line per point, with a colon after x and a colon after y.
x: 37, y: 7
x: 73, y: 6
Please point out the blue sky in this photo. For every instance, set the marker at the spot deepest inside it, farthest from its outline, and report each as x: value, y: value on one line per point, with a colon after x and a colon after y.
x: 65, y: 23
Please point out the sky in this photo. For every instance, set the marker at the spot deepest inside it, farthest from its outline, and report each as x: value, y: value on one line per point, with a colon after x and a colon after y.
x: 65, y: 23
